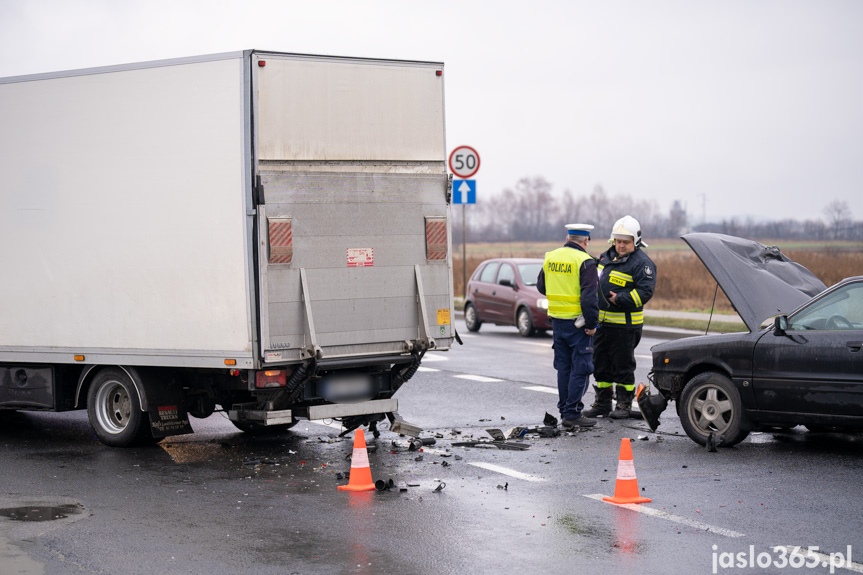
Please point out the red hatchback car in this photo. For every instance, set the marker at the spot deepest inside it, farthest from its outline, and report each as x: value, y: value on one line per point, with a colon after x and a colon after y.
x: 503, y: 292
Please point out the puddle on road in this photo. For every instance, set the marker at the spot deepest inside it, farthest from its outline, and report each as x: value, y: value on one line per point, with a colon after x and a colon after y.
x: 40, y: 513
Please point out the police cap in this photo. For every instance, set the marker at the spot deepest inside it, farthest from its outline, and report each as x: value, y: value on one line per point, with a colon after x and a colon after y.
x: 579, y: 229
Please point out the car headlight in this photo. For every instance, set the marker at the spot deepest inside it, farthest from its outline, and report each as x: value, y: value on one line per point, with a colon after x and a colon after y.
x: 542, y: 303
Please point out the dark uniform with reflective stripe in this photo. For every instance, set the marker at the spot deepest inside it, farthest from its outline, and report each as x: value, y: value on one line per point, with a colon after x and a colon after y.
x: 632, y: 278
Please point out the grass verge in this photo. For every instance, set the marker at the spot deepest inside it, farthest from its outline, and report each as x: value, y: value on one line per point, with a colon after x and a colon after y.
x: 692, y: 324
x: 696, y: 325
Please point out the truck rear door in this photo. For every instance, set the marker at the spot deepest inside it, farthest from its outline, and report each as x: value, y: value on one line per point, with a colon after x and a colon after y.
x: 353, y: 214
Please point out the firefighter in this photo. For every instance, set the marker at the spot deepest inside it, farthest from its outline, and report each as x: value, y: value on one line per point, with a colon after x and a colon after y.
x: 568, y: 278
x: 627, y: 277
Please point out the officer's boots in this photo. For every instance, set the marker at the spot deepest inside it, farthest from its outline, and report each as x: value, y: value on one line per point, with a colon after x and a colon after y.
x: 624, y: 403
x: 601, y: 406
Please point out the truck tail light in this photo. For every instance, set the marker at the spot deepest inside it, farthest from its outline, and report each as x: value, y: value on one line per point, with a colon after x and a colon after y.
x: 271, y: 378
x: 281, y: 240
x: 436, y: 239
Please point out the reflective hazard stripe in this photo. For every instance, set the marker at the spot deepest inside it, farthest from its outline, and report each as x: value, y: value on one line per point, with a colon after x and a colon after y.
x: 625, y: 469
x: 281, y: 240
x: 436, y: 238
x: 621, y: 275
x: 558, y: 308
x: 612, y: 317
x: 560, y: 305
x: 636, y: 317
x: 619, y: 278
x: 635, y: 298
x: 604, y: 384
x: 360, y: 458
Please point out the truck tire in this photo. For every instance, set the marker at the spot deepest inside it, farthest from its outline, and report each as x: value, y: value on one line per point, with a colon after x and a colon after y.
x: 471, y: 318
x: 115, y: 411
x: 711, y: 404
x: 262, y: 430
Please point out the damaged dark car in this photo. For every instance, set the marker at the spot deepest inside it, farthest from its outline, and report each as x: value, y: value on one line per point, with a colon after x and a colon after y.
x: 800, y: 364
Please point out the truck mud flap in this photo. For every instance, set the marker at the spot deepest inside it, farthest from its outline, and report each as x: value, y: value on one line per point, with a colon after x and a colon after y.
x: 167, y: 410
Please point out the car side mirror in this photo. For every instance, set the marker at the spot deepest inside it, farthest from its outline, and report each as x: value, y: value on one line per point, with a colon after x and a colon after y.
x: 780, y: 325
x: 506, y: 282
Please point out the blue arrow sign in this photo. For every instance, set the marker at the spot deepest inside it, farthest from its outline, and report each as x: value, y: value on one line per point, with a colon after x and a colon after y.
x: 464, y: 192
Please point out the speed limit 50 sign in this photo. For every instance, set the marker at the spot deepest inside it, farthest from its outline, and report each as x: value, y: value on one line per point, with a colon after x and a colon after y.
x: 464, y: 162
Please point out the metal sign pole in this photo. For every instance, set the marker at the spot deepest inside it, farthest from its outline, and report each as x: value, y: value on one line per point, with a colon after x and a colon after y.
x: 463, y: 254
x: 464, y: 163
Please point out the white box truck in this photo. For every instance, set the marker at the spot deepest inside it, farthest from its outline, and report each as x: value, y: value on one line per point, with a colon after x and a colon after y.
x: 264, y: 232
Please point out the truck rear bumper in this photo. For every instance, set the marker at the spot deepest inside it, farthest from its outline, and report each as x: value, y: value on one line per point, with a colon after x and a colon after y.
x: 330, y: 411
x: 349, y: 409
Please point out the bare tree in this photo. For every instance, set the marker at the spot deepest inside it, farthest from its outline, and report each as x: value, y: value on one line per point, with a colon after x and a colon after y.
x: 570, y: 211
x: 838, y: 218
x: 676, y: 219
x: 534, y: 204
x: 529, y: 211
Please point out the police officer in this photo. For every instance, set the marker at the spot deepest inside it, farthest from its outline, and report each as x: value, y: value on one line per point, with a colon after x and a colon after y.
x: 627, y: 277
x: 568, y: 278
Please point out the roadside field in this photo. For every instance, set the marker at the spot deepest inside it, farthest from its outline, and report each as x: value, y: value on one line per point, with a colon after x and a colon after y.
x: 683, y: 283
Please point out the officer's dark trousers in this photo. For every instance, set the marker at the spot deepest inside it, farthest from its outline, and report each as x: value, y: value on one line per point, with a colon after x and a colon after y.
x: 573, y: 360
x: 615, y: 354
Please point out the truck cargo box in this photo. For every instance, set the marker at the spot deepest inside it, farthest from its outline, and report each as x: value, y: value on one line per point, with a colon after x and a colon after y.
x: 192, y: 223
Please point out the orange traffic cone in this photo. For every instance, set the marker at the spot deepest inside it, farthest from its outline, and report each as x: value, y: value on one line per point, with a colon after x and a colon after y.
x: 361, y: 473
x: 626, y: 489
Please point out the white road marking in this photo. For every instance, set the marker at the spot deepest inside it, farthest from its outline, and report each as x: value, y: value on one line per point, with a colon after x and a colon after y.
x: 826, y: 560
x: 664, y: 515
x: 429, y: 357
x: 427, y: 369
x: 537, y: 344
x: 541, y: 388
x: 466, y: 335
x: 507, y: 471
x: 481, y: 378
x: 644, y: 357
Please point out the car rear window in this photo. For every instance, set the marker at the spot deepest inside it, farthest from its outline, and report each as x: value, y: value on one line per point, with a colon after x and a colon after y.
x: 529, y: 273
x: 488, y: 272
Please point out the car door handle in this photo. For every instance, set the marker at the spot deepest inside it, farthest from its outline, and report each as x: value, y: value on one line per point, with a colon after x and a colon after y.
x: 854, y: 345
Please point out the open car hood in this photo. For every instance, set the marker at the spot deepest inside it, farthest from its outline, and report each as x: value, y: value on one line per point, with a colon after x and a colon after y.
x: 759, y: 280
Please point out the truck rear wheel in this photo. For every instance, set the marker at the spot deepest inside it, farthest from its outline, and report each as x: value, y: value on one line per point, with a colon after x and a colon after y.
x: 115, y: 411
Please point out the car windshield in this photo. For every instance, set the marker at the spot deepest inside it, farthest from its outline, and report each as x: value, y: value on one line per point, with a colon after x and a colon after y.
x: 838, y: 310
x: 529, y: 273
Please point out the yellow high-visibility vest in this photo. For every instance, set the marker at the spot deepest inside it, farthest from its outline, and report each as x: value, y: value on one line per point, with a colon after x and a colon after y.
x: 562, y: 281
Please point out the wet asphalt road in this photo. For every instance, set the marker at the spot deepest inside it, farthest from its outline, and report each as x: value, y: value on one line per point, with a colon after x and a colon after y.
x: 221, y: 502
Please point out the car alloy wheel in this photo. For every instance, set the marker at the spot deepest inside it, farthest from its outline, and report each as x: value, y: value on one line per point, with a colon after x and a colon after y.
x: 524, y: 322
x: 711, y: 404
x: 471, y: 318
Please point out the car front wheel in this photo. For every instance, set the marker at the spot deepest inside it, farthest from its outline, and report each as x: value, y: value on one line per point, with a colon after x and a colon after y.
x: 711, y: 404
x: 524, y: 322
x: 471, y: 318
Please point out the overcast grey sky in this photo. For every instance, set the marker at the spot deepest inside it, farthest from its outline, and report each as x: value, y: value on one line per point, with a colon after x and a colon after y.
x: 742, y: 107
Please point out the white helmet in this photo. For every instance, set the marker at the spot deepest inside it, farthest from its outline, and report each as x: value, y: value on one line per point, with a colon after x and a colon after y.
x: 625, y: 228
